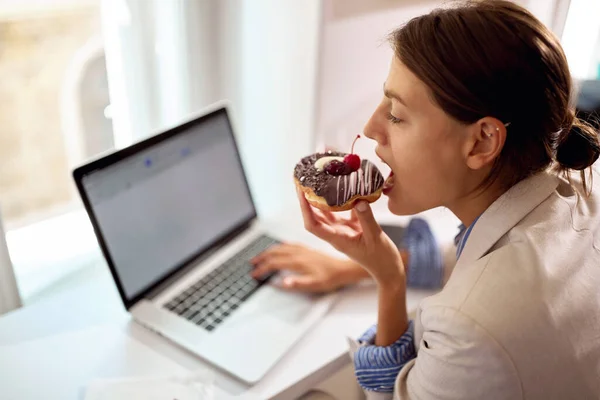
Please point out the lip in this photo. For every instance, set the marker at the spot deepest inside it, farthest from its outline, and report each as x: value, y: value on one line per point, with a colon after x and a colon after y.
x: 388, y: 185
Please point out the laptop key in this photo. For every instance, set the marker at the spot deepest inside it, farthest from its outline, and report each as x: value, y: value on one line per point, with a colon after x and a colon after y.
x: 197, y: 318
x: 214, y: 297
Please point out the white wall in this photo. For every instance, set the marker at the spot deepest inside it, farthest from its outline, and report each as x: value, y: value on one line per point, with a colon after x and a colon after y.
x: 275, y: 96
x: 552, y: 13
x: 354, y: 63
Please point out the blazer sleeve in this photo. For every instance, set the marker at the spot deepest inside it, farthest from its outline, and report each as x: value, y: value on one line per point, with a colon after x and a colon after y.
x: 457, y: 359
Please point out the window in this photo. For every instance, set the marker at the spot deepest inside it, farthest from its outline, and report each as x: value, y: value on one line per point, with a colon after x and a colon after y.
x: 164, y: 60
x: 581, y: 39
x: 37, y: 52
x: 54, y: 77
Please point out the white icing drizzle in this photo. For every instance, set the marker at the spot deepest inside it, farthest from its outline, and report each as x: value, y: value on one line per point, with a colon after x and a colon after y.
x: 361, y: 182
x: 338, y: 191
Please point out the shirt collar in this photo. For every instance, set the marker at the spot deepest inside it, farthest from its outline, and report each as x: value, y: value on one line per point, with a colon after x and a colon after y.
x: 461, y: 239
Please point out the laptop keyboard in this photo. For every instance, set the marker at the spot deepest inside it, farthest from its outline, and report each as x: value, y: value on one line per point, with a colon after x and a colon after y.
x: 208, y: 302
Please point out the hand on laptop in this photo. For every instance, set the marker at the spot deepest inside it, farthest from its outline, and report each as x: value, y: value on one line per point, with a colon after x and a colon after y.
x: 314, y: 271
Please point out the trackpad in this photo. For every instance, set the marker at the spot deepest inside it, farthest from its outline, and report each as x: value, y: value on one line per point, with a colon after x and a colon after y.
x: 286, y: 306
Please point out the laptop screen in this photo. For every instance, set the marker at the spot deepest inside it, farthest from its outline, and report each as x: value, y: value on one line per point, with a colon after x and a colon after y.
x: 161, y: 206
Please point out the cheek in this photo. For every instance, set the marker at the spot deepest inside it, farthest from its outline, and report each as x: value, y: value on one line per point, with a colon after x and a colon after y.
x: 426, y: 172
x: 417, y: 159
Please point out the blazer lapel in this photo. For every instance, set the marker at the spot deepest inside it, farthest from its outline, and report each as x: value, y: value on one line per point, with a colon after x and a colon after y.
x: 505, y: 213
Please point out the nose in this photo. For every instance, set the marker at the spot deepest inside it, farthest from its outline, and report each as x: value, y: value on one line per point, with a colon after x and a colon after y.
x: 375, y: 128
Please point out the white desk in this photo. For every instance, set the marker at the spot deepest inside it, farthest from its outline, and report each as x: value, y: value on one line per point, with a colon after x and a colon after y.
x: 95, y: 301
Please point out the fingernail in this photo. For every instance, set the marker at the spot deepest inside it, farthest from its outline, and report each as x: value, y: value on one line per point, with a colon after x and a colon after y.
x: 288, y: 282
x: 361, y: 206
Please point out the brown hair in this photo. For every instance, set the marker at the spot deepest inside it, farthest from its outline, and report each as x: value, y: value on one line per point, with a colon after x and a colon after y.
x: 494, y: 58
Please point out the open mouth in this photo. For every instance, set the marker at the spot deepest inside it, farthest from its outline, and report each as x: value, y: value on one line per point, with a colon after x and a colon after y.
x: 389, y: 183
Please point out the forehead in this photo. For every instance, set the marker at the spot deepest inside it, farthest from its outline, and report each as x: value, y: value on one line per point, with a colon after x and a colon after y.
x: 411, y: 89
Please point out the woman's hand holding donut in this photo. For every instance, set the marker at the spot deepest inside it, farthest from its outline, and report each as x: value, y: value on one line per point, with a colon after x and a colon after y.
x: 359, y: 237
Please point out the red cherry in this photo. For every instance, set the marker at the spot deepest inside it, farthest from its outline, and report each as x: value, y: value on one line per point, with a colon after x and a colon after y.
x: 352, y: 160
x: 336, y: 168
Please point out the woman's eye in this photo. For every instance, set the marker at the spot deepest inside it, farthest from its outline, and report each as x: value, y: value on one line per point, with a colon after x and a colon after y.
x: 393, y: 119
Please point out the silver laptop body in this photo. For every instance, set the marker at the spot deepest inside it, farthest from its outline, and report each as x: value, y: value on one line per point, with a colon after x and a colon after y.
x: 177, y: 225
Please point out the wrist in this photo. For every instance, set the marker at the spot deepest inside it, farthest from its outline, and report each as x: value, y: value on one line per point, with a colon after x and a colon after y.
x: 392, y: 289
x: 392, y: 278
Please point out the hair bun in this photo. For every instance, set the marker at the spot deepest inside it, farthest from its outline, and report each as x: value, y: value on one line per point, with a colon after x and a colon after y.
x: 579, y: 148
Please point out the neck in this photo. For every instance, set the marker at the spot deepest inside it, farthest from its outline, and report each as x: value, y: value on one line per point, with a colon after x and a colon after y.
x: 468, y: 208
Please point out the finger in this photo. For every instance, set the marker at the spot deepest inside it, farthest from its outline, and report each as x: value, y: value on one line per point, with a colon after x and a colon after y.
x: 354, y: 221
x: 337, y: 233
x: 314, y: 223
x: 307, y: 212
x: 354, y: 216
x: 275, y: 264
x: 370, y: 227
x: 319, y: 217
x: 330, y: 217
x: 275, y: 250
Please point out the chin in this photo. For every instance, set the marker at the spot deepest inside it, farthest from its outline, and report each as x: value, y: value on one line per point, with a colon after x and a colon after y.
x: 401, y: 208
x: 398, y: 209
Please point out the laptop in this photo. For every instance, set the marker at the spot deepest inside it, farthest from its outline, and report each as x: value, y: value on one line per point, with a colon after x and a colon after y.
x: 177, y: 225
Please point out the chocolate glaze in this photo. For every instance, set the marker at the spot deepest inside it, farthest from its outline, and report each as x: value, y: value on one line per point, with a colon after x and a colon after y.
x: 336, y: 190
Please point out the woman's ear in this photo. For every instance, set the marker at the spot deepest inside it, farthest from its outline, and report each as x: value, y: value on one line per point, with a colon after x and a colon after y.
x: 486, y: 141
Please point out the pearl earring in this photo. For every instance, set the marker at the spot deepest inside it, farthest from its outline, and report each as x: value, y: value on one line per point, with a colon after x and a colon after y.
x: 491, y: 134
x: 497, y: 130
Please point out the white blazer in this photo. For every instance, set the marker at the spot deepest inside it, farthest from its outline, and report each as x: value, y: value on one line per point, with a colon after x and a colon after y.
x: 519, y: 317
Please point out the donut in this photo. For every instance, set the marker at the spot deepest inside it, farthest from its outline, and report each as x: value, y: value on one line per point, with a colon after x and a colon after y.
x: 329, y: 183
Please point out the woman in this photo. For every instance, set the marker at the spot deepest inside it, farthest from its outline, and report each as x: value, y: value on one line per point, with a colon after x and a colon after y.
x: 477, y: 117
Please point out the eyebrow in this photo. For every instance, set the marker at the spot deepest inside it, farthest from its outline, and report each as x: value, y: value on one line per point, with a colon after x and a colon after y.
x: 392, y: 95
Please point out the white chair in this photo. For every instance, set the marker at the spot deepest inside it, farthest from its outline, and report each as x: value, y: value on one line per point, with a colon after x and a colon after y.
x: 9, y: 293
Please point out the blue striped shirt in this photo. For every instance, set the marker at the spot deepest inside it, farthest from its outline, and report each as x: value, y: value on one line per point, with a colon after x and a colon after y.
x: 461, y: 239
x: 377, y: 367
x: 425, y: 267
